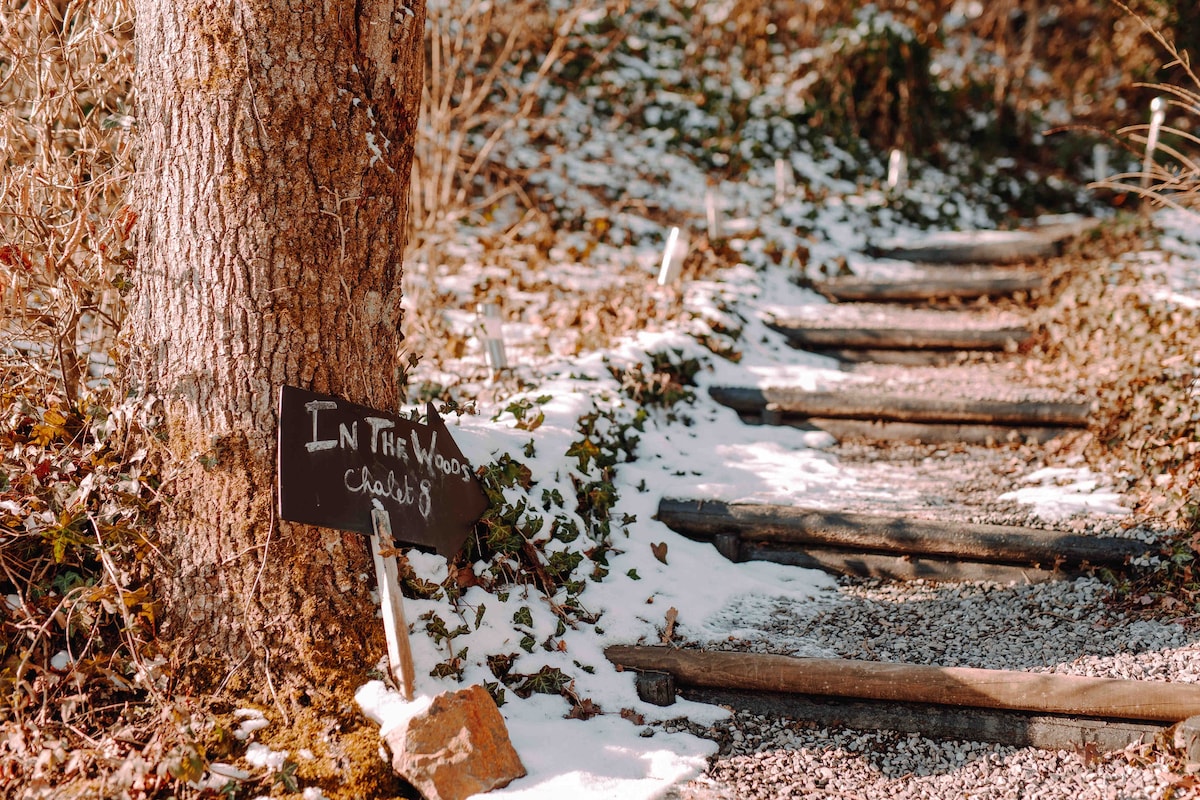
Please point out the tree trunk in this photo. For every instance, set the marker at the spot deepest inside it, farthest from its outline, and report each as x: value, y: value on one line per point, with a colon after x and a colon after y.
x: 276, y: 145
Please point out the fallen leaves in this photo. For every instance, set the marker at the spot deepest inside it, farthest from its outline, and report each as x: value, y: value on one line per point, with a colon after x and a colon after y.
x: 668, y: 634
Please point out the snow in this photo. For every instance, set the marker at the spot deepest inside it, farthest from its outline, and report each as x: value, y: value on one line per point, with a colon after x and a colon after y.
x: 1057, y: 493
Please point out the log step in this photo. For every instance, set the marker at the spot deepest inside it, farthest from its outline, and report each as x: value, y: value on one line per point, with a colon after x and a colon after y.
x: 985, y: 247
x: 852, y: 563
x: 900, y: 338
x: 962, y: 687
x: 900, y: 358
x: 929, y: 433
x: 745, y: 531
x: 895, y: 406
x: 930, y: 284
x: 876, y: 326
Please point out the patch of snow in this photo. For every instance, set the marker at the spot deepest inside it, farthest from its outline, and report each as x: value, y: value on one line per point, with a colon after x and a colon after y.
x: 1061, y: 492
x: 263, y: 757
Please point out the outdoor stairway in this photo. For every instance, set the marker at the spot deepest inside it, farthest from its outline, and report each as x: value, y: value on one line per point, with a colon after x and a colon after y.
x: 929, y: 394
x: 916, y: 377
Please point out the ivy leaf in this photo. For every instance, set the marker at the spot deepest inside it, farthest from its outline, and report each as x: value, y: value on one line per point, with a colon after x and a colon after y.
x: 585, y: 450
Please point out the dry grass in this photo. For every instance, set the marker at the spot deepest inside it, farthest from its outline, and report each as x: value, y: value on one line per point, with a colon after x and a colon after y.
x: 487, y: 66
x: 1170, y: 175
x: 65, y: 104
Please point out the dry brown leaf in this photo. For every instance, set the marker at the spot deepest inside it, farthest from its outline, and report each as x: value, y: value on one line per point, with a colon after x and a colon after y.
x: 669, y: 632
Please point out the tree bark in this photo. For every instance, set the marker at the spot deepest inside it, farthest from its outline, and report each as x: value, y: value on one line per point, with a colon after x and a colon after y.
x: 276, y: 144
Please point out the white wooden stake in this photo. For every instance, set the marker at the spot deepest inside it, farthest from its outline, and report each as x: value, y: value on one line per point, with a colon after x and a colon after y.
x: 674, y: 255
x: 391, y: 602
x: 897, y: 176
x: 492, y: 329
x: 1158, y: 114
x: 783, y: 181
x: 1100, y: 162
x: 711, y: 212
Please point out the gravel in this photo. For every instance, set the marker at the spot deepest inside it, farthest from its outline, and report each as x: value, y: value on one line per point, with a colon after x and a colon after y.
x: 1066, y: 627
x: 771, y: 758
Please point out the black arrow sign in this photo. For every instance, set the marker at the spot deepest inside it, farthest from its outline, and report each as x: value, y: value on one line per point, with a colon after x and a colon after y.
x: 337, y: 460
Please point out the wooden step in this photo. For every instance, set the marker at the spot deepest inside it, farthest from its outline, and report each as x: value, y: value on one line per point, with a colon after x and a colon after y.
x: 984, y: 247
x: 898, y: 568
x: 897, y: 338
x: 866, y: 326
x: 928, y: 433
x: 828, y: 538
x: 930, y: 284
x: 903, y: 358
x: 959, y: 687
x: 891, y: 406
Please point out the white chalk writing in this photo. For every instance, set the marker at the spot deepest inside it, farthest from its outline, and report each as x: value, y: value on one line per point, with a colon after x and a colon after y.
x: 312, y: 407
x: 361, y: 481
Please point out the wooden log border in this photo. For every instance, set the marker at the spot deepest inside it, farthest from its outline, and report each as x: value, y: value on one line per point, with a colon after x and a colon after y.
x: 902, y: 408
x: 928, y: 287
x: 775, y: 525
x: 896, y: 567
x: 1038, y: 693
x: 900, y: 338
x: 932, y: 432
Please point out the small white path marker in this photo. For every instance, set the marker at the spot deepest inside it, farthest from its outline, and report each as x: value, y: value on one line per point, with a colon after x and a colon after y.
x: 1100, y: 162
x: 711, y: 214
x: 897, y: 176
x: 1158, y: 114
x: 783, y: 181
x: 674, y: 254
x: 391, y: 602
x: 492, y: 328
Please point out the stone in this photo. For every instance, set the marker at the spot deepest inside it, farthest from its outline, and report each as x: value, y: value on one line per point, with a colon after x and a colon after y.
x: 456, y: 748
x: 1187, y: 739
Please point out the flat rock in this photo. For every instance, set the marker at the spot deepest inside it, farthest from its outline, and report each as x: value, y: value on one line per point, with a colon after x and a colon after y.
x: 456, y: 748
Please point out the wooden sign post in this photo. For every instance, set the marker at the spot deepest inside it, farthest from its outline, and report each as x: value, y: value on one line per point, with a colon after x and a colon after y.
x: 353, y: 468
x: 391, y: 603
